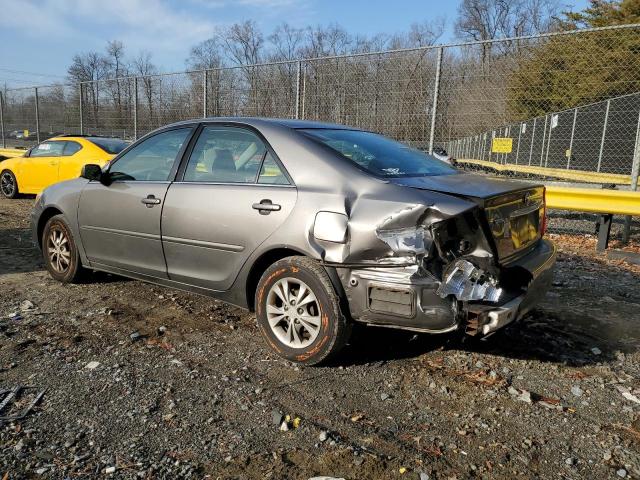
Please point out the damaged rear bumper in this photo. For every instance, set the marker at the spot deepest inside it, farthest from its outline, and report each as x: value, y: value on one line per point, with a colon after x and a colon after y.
x: 410, y: 297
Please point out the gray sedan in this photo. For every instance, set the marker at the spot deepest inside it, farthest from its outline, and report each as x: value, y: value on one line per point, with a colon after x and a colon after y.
x: 313, y: 226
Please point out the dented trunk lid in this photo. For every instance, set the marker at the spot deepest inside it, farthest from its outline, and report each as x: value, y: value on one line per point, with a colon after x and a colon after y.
x: 514, y: 210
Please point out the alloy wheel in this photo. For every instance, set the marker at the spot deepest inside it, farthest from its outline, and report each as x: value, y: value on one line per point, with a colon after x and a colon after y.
x: 7, y: 184
x: 293, y: 312
x: 58, y: 249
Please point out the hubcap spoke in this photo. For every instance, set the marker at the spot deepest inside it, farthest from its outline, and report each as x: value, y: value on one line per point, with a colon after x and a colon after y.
x: 306, y: 300
x: 296, y: 335
x: 311, y: 321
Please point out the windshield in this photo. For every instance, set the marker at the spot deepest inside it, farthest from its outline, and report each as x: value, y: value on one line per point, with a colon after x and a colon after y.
x: 380, y: 155
x: 109, y: 145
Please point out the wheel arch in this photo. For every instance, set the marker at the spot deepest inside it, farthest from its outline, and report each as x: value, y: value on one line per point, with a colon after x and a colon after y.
x: 271, y: 256
x: 260, y: 265
x: 46, y: 214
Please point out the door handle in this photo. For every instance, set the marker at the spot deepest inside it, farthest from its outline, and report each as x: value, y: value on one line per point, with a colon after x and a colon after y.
x: 150, y: 201
x: 266, y: 206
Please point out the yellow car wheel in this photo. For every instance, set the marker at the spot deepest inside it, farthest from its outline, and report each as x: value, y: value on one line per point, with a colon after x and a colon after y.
x: 8, y: 184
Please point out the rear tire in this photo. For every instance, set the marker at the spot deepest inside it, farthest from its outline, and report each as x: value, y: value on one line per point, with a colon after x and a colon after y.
x: 60, y: 252
x: 8, y: 184
x: 298, y: 311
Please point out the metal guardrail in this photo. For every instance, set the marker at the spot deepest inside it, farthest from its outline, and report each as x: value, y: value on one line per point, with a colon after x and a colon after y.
x: 605, y: 202
x: 594, y: 200
x: 548, y: 172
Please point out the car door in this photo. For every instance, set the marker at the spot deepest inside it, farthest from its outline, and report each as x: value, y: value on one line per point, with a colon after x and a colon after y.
x: 41, y: 168
x: 232, y: 195
x: 120, y: 221
x: 70, y: 163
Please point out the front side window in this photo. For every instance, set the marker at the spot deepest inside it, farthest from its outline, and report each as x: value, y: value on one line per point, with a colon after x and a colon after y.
x: 48, y: 149
x: 152, y: 159
x: 380, y: 155
x: 225, y: 155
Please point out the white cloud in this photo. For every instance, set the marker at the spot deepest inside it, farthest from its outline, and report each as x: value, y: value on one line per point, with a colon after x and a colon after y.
x: 140, y: 24
x: 166, y: 28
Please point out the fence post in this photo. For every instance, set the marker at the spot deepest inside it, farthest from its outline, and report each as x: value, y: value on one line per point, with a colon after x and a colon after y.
x: 37, y: 117
x: 544, y: 137
x: 546, y: 157
x: 135, y: 108
x: 518, y: 147
x: 533, y: 137
x: 635, y: 170
x: 484, y: 145
x: 4, y: 142
x: 493, y: 135
x: 604, y: 133
x: 81, y: 112
x: 436, y: 91
x: 507, y: 134
x: 573, y: 129
x: 298, y: 79
x: 205, y: 76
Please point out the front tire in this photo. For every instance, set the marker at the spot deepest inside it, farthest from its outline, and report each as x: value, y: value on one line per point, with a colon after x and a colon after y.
x: 8, y: 184
x: 60, y: 252
x: 298, y: 311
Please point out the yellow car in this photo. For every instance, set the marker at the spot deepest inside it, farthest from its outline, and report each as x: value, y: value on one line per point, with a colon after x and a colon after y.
x: 57, y: 159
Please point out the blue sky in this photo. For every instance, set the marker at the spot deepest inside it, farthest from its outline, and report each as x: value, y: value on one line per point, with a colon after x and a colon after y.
x: 39, y: 37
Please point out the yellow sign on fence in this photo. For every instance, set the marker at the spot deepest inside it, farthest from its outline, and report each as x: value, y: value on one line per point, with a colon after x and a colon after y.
x: 502, y: 145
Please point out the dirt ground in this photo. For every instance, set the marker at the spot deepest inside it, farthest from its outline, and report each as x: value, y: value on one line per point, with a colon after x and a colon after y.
x: 184, y: 386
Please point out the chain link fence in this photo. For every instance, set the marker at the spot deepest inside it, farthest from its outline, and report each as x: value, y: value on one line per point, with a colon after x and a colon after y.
x: 600, y: 137
x: 569, y: 101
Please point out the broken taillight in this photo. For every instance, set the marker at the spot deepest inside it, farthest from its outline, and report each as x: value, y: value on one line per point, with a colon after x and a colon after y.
x: 543, y: 224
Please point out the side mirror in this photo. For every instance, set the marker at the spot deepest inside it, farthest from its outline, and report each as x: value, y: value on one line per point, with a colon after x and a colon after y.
x: 28, y: 152
x: 91, y: 171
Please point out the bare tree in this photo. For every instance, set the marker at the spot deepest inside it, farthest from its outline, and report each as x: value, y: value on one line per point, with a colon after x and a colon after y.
x: 491, y: 19
x: 286, y: 42
x: 426, y: 33
x: 145, y: 68
x: 89, y: 67
x: 244, y: 43
x: 206, y: 55
x: 117, y: 69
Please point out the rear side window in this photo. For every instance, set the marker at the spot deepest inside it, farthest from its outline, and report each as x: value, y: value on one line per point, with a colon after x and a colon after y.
x: 48, y: 149
x: 112, y: 146
x: 380, y: 155
x: 71, y: 147
x: 270, y: 173
x: 225, y: 155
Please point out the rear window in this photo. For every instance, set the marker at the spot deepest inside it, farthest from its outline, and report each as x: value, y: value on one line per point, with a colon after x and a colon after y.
x: 380, y: 155
x: 109, y: 145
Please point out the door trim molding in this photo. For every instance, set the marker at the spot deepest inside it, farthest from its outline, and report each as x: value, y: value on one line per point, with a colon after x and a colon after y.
x: 127, y: 233
x: 201, y: 243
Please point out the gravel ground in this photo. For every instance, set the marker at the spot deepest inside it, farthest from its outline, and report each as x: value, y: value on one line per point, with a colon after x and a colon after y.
x: 183, y: 386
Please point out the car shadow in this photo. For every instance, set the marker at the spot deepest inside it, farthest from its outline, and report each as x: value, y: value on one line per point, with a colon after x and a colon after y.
x: 538, y: 336
x: 19, y: 255
x: 17, y: 252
